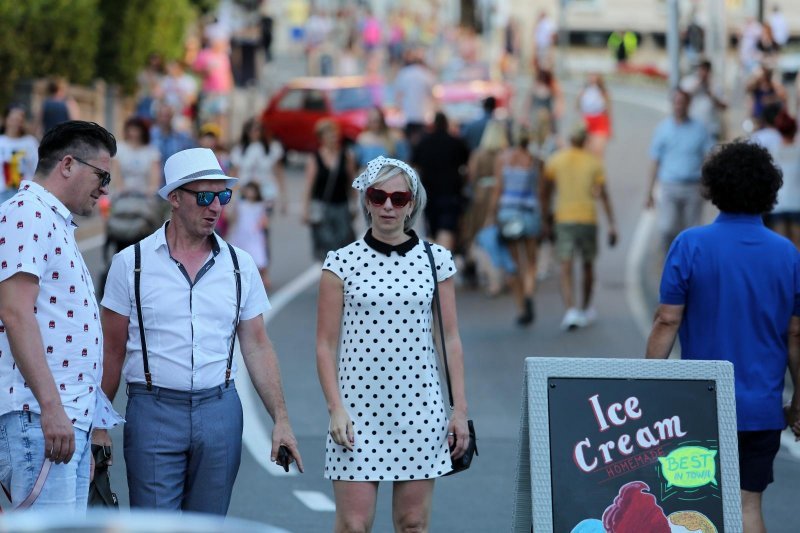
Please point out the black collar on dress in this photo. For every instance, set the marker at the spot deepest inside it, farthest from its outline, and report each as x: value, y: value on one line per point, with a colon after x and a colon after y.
x: 386, y: 249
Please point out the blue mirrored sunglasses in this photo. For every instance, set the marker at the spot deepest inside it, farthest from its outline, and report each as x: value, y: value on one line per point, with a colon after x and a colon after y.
x: 205, y: 198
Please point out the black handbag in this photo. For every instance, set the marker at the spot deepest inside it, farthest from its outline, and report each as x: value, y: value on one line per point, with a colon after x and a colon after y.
x: 463, y: 462
x: 100, y: 493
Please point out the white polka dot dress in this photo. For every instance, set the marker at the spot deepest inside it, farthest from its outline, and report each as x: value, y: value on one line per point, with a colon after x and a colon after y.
x: 388, y: 372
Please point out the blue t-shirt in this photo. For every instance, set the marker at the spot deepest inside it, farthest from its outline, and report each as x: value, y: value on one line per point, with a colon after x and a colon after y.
x: 740, y: 285
x: 679, y: 148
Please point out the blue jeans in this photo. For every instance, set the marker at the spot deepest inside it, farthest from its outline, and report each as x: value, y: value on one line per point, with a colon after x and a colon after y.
x: 22, y: 455
x: 182, y: 449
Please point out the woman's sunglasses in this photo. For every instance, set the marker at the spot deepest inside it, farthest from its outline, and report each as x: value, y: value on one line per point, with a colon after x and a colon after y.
x: 399, y: 198
x: 205, y: 198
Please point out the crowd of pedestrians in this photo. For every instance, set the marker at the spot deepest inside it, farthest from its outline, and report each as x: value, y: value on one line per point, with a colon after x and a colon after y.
x: 498, y: 197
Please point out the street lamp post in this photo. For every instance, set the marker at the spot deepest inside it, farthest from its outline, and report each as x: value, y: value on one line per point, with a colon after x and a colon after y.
x: 673, y: 43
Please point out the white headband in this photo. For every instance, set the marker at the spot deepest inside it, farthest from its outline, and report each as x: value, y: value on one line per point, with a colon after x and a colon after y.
x: 367, y: 178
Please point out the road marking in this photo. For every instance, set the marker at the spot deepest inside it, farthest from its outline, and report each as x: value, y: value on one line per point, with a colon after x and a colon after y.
x: 254, y: 434
x: 316, y: 501
x: 633, y: 271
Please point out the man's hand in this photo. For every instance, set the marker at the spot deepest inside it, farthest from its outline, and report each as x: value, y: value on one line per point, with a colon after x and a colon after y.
x: 793, y: 419
x: 282, y: 435
x: 59, y: 435
x: 612, y: 237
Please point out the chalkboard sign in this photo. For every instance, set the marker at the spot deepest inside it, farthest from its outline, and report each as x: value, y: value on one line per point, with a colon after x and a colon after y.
x: 623, y: 446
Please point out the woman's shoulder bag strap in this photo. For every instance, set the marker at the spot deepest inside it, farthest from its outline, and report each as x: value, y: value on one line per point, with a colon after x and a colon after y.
x: 438, y: 308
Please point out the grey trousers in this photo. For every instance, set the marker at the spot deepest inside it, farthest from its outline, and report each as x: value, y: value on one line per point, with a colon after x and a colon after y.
x: 183, y: 449
x: 680, y: 206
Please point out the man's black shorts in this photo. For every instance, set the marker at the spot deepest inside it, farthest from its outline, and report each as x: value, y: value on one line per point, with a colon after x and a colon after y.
x: 757, y: 451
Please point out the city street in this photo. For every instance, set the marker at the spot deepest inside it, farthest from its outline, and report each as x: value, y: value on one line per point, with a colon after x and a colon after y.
x: 480, y: 499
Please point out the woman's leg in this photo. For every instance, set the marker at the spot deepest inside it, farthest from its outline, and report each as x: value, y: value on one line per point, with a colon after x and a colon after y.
x: 355, y: 505
x: 529, y: 277
x: 411, y: 505
x: 517, y: 280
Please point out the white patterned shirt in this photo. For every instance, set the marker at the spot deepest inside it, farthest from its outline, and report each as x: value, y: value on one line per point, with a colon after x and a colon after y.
x: 37, y: 236
x: 188, y: 326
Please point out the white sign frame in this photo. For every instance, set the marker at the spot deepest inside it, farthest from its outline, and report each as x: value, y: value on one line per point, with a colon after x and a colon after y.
x: 533, y: 506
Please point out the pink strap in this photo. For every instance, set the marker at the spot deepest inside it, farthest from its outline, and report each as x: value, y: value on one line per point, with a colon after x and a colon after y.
x: 37, y: 487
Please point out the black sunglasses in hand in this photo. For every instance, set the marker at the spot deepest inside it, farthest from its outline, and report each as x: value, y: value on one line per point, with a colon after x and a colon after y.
x: 104, y: 175
x: 205, y: 198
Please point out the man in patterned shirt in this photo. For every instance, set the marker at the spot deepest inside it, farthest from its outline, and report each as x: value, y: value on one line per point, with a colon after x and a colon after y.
x: 50, y: 336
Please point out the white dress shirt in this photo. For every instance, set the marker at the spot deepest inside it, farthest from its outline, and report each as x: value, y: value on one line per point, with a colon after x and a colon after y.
x: 188, y: 327
x: 37, y: 237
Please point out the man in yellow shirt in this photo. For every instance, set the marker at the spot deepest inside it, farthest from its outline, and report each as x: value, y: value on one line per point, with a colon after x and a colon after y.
x: 578, y: 178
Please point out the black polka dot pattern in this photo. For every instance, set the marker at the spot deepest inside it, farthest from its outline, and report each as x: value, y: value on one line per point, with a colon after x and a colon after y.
x: 388, y: 371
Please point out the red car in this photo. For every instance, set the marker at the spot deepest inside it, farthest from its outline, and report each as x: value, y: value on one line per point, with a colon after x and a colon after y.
x: 292, y: 113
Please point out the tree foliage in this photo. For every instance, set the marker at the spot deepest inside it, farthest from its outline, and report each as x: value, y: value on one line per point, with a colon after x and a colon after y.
x: 134, y: 29
x: 47, y: 37
x: 86, y: 39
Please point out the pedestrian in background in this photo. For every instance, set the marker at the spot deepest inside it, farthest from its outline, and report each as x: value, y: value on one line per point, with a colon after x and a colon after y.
x: 413, y: 92
x: 708, y: 102
x: 472, y: 132
x: 173, y: 325
x: 248, y: 224
x: 138, y: 163
x: 213, y: 64
x: 326, y: 203
x: 18, y: 151
x: 594, y: 105
x: 764, y: 89
x: 545, y: 93
x: 376, y: 432
x: 731, y: 290
x: 376, y: 139
x: 441, y: 159
x: 515, y: 209
x: 677, y: 150
x: 785, y: 216
x: 476, y: 219
x: 165, y: 137
x: 258, y: 158
x: 50, y: 332
x: 578, y: 179
x: 58, y: 106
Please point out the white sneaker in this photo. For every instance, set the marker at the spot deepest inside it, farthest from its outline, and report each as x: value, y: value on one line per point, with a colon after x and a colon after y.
x: 572, y: 319
x: 588, y: 317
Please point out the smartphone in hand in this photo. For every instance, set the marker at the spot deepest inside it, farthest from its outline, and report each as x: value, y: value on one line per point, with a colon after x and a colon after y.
x: 284, y: 457
x: 612, y: 240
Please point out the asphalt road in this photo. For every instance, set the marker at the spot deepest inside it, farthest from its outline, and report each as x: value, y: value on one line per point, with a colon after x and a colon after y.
x: 480, y: 499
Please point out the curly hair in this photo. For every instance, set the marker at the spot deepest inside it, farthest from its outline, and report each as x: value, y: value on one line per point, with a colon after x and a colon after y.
x: 741, y: 177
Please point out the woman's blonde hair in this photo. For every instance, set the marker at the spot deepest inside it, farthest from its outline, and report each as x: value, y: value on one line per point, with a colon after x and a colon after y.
x: 494, y: 136
x: 325, y: 125
x: 386, y: 173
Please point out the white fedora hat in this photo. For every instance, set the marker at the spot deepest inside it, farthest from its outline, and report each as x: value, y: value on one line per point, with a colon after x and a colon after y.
x: 191, y: 165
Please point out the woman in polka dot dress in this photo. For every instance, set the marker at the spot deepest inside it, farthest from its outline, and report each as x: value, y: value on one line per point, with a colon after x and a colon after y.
x: 388, y: 417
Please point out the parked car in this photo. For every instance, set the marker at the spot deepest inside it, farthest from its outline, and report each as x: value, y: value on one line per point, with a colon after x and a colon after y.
x: 294, y: 110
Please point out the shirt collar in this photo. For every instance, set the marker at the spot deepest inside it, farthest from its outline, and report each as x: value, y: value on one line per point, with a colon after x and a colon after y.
x: 48, y: 199
x: 402, y: 249
x: 161, y: 240
x: 742, y: 218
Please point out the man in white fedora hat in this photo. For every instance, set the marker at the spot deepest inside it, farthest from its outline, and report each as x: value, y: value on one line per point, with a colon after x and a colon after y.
x: 173, y: 304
